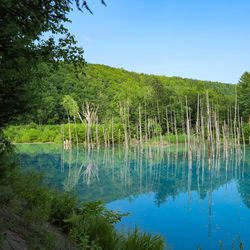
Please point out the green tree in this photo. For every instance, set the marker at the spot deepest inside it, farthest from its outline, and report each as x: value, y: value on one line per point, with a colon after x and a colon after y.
x: 244, y: 96
x: 23, y: 47
x: 70, y: 106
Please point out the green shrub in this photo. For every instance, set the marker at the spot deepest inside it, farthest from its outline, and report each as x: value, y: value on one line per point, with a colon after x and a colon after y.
x: 141, y: 241
x: 30, y: 135
x: 246, y: 129
x: 48, y: 135
x: 34, y: 197
x: 33, y: 133
x: 92, y: 228
x: 62, y: 208
x: 93, y: 223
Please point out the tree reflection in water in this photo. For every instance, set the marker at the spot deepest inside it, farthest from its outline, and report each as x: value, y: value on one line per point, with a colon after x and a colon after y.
x: 166, y: 174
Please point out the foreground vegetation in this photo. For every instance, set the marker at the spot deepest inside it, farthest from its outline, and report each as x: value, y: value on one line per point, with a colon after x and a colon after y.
x: 31, y: 208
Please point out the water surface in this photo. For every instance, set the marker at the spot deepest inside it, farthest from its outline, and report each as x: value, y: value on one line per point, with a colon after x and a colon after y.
x: 191, y: 202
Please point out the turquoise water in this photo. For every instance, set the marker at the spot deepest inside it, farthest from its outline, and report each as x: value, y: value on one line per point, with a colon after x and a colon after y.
x: 191, y: 203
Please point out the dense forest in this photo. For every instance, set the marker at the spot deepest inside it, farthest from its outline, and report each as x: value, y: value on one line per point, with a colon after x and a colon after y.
x: 112, y: 98
x: 105, y: 88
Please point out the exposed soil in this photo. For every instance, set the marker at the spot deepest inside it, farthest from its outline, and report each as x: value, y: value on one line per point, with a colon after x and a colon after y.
x: 16, y: 234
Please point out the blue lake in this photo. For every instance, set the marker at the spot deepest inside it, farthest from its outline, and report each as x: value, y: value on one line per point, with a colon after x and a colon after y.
x: 191, y: 203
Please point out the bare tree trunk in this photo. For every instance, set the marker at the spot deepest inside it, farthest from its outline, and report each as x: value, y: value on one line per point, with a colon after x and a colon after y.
x: 175, y: 129
x: 198, y: 121
x: 76, y: 134
x: 167, y: 121
x: 188, y: 132
x: 124, y: 123
x: 145, y: 125
x: 96, y: 133
x: 140, y: 126
x: 209, y: 136
x: 70, y: 137
x: 112, y: 132
x: 89, y: 114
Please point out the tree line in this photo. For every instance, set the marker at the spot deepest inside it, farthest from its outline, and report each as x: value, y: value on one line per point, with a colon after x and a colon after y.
x: 106, y: 88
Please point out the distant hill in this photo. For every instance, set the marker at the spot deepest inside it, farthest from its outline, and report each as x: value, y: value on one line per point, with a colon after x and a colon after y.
x: 100, y: 71
x: 107, y: 87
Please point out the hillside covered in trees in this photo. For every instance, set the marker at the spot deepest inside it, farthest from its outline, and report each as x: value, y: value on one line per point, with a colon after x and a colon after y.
x: 106, y: 88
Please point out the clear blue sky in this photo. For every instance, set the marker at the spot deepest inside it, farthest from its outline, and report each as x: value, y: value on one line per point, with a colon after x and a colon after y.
x: 200, y: 39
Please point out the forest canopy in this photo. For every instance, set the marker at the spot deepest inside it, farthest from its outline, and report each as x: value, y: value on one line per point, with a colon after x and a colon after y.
x: 23, y: 48
x: 106, y: 87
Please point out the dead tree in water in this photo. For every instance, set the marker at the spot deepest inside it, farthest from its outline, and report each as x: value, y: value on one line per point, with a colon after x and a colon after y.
x: 72, y: 110
x: 202, y: 129
x: 124, y: 110
x: 209, y: 125
x: 89, y: 113
x: 140, y: 126
x: 96, y: 133
x: 197, y: 125
x: 145, y: 125
x: 112, y: 133
x: 175, y: 129
x: 188, y: 132
x: 167, y: 121
x: 243, y: 135
x: 235, y: 119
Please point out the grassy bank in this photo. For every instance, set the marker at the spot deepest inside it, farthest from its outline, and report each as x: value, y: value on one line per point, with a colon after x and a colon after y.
x: 34, y: 133
x: 55, y: 133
